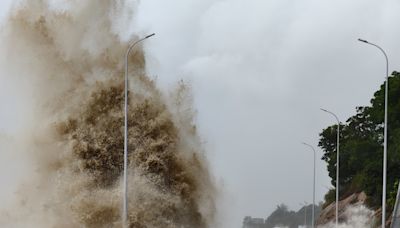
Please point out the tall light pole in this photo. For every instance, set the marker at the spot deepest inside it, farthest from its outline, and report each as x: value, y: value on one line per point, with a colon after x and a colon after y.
x: 125, y: 192
x: 305, y: 213
x: 384, y: 132
x: 313, y: 206
x: 337, y: 163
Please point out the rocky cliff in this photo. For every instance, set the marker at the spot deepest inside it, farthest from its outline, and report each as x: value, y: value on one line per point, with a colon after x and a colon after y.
x: 352, y: 212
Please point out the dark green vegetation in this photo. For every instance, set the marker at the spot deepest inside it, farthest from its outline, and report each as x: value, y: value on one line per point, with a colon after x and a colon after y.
x: 282, y: 216
x: 361, y: 149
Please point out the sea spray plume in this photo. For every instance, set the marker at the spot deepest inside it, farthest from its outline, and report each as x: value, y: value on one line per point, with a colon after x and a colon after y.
x: 73, y: 61
x: 355, y: 217
x: 167, y: 193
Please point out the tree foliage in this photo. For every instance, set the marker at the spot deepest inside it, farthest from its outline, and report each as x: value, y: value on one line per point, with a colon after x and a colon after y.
x: 282, y: 216
x: 361, y: 146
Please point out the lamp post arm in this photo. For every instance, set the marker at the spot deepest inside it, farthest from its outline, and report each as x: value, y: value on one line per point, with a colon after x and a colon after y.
x: 383, y: 52
x: 333, y: 114
x: 133, y: 45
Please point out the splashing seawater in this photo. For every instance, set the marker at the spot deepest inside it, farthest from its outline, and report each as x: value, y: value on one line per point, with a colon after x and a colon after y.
x: 73, y: 63
x: 355, y: 217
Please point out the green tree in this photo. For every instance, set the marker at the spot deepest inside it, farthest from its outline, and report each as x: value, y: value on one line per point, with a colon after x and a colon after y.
x: 361, y: 146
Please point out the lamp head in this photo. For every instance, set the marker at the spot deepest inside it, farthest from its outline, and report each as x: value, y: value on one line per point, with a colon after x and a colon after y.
x: 148, y: 36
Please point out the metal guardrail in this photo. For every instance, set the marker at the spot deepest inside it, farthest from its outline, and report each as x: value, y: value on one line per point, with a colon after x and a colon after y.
x: 396, y: 211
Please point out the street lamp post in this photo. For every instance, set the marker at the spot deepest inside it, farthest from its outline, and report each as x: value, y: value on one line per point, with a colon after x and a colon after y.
x: 384, y: 132
x: 125, y: 191
x: 337, y: 163
x: 313, y: 206
x: 305, y: 213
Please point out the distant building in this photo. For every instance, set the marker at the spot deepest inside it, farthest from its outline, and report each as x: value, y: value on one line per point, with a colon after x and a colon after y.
x: 249, y: 222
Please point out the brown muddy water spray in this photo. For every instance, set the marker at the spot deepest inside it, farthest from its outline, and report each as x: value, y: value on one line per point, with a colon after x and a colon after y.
x: 70, y: 55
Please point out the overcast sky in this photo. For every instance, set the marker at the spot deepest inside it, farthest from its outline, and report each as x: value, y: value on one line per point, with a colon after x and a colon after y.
x: 260, y: 70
